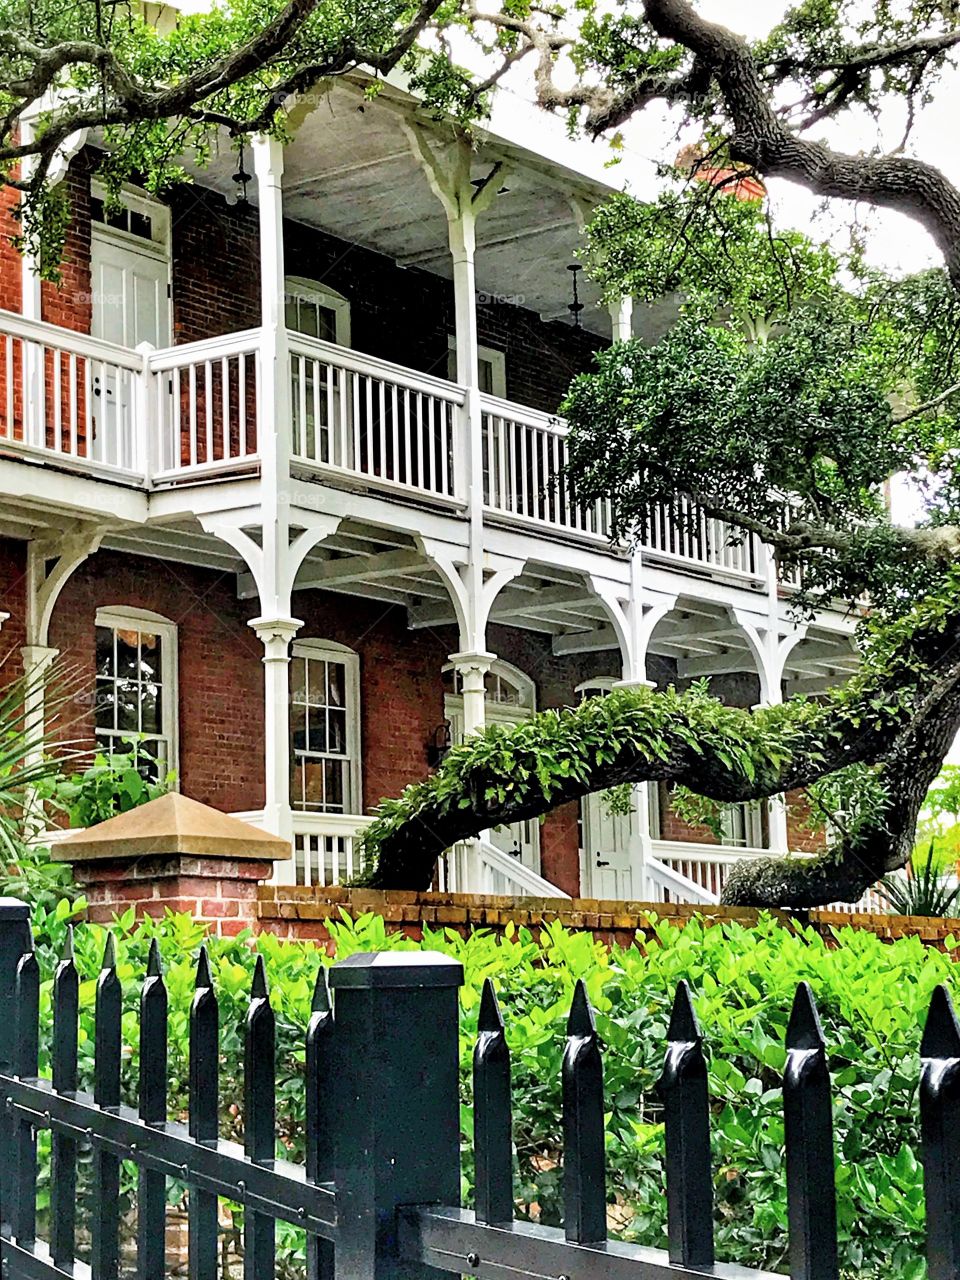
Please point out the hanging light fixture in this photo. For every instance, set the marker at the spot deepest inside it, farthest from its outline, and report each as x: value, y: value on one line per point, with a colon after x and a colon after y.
x: 576, y: 306
x: 241, y: 177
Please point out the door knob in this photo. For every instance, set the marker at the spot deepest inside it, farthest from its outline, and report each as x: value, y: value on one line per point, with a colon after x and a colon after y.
x: 600, y: 862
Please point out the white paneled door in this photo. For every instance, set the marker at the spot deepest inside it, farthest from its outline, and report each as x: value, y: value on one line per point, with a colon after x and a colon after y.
x: 129, y: 306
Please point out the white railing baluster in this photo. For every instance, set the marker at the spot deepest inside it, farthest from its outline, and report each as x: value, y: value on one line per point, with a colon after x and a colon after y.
x: 208, y: 409
x: 226, y: 445
x: 318, y: 427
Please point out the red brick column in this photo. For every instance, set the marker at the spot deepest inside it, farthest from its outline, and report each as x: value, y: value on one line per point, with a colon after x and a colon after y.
x: 222, y: 892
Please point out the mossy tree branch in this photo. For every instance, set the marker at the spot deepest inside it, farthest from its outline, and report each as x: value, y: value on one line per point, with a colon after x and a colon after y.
x: 898, y: 712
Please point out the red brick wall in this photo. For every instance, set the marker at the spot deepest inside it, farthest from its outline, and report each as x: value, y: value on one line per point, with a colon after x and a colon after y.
x: 801, y: 838
x: 13, y: 566
x: 220, y: 669
x: 69, y: 303
x: 9, y: 258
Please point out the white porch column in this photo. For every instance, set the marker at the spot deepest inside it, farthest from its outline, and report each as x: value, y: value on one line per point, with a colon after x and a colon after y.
x: 275, y: 634
x: 641, y: 611
x: 275, y: 628
x: 275, y: 421
x: 29, y: 266
x: 621, y: 320
x: 472, y: 669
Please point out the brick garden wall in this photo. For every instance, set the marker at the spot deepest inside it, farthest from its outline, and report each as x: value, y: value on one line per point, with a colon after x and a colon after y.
x: 301, y: 913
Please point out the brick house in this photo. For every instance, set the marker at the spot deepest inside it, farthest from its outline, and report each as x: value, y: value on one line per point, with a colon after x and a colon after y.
x: 277, y: 474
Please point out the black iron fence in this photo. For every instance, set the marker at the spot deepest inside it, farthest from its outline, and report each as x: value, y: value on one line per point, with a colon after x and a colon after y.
x: 378, y: 1194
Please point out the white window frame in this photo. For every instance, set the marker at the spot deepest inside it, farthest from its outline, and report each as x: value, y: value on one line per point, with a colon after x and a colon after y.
x: 332, y: 651
x: 511, y: 712
x: 496, y: 358
x: 133, y: 198
x: 124, y: 618
x: 301, y: 287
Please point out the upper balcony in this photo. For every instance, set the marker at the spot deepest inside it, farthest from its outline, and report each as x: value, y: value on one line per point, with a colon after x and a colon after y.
x: 154, y: 419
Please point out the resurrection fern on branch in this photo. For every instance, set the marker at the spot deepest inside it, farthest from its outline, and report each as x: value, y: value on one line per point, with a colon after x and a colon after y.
x: 899, y: 712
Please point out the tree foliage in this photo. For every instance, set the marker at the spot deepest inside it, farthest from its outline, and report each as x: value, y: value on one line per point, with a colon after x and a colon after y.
x: 781, y: 401
x: 793, y: 385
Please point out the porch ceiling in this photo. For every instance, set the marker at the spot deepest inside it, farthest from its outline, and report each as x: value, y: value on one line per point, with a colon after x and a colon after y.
x: 350, y: 171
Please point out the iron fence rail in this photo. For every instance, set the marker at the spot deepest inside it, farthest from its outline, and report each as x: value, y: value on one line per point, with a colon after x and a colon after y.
x: 378, y: 1192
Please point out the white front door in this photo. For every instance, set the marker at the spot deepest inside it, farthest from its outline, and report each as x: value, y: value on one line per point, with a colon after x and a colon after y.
x: 129, y: 306
x: 606, y: 837
x: 606, y: 848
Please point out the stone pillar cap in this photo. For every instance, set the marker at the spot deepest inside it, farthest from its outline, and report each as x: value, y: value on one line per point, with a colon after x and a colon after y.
x: 171, y: 824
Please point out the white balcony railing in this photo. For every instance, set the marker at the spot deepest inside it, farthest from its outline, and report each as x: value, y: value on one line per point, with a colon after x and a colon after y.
x: 69, y: 396
x: 524, y: 470
x: 189, y: 412
x: 204, y: 398
x: 680, y: 531
x: 326, y: 851
x: 359, y: 416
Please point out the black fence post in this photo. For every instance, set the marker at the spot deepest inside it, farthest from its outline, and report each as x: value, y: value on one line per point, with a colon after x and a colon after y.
x: 15, y: 939
x: 397, y: 1102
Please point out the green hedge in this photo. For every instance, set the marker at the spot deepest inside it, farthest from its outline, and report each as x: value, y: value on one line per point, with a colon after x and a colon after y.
x: 872, y: 998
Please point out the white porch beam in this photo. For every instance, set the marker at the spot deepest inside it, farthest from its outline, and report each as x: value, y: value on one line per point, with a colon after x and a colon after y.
x: 736, y: 662
x: 331, y: 573
x: 512, y: 602
x: 344, y: 171
x: 597, y: 641
x: 492, y: 242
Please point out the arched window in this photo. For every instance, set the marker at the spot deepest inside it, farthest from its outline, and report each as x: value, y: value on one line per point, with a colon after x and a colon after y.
x: 317, y: 310
x: 136, y: 684
x: 506, y: 687
x: 324, y: 727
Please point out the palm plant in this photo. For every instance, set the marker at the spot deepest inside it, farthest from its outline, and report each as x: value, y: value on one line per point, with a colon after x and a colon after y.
x: 925, y: 891
x: 33, y: 752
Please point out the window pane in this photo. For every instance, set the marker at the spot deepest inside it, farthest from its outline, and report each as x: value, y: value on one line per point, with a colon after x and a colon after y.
x: 337, y: 727
x: 317, y: 732
x: 103, y: 705
x: 105, y: 651
x: 313, y: 784
x: 307, y: 319
x: 128, y: 705
x: 298, y: 679
x: 298, y: 726
x: 336, y: 684
x: 334, y: 784
x: 316, y: 683
x: 327, y: 324
x: 127, y: 657
x: 150, y: 719
x: 150, y: 656
x: 485, y: 375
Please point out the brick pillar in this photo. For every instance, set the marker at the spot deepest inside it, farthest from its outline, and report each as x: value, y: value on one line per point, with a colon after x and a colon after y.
x: 220, y: 891
x: 173, y: 854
